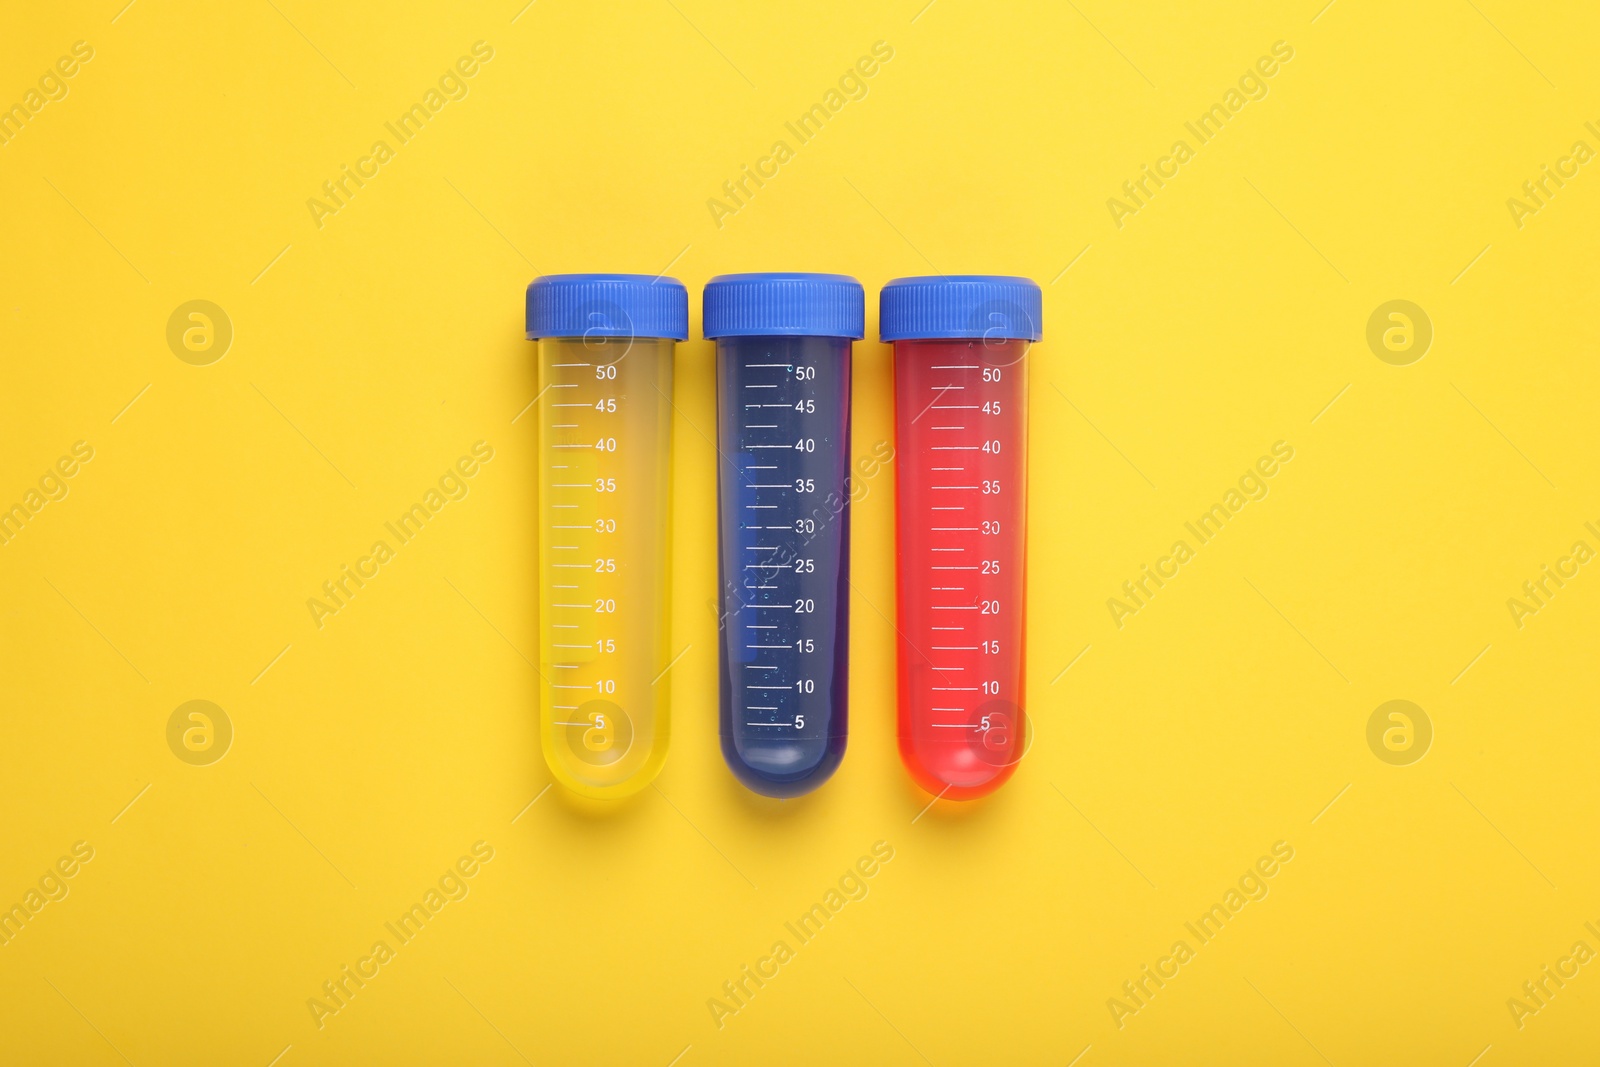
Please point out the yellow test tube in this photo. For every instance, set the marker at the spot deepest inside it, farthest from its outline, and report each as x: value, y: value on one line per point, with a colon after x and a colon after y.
x: 605, y: 350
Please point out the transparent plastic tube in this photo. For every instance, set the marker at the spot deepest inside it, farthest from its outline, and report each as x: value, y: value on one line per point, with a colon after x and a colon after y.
x: 605, y: 450
x: 961, y: 435
x: 783, y: 435
x: 783, y: 430
x: 604, y: 455
x: 961, y: 439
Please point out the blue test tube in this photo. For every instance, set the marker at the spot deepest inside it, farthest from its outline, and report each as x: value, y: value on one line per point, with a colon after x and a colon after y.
x: 783, y: 435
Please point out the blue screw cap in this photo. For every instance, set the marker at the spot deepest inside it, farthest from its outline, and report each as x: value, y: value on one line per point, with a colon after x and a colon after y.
x: 961, y: 306
x: 785, y: 305
x: 607, y: 305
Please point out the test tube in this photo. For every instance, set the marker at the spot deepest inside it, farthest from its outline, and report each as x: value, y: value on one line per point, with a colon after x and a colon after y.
x: 605, y: 347
x: 783, y: 434
x: 961, y: 507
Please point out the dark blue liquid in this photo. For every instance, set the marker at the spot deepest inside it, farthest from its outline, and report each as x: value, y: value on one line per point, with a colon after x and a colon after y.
x: 783, y: 432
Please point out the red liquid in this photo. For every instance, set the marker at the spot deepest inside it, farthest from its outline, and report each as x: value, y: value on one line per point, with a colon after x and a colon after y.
x: 961, y: 433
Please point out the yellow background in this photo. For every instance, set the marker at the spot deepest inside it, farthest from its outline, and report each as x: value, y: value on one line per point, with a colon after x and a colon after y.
x: 1224, y: 717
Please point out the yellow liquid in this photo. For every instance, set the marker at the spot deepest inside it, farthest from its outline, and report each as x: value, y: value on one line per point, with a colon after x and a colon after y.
x: 605, y: 448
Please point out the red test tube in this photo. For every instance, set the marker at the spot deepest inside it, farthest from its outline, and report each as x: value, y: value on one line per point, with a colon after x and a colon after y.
x: 961, y: 509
